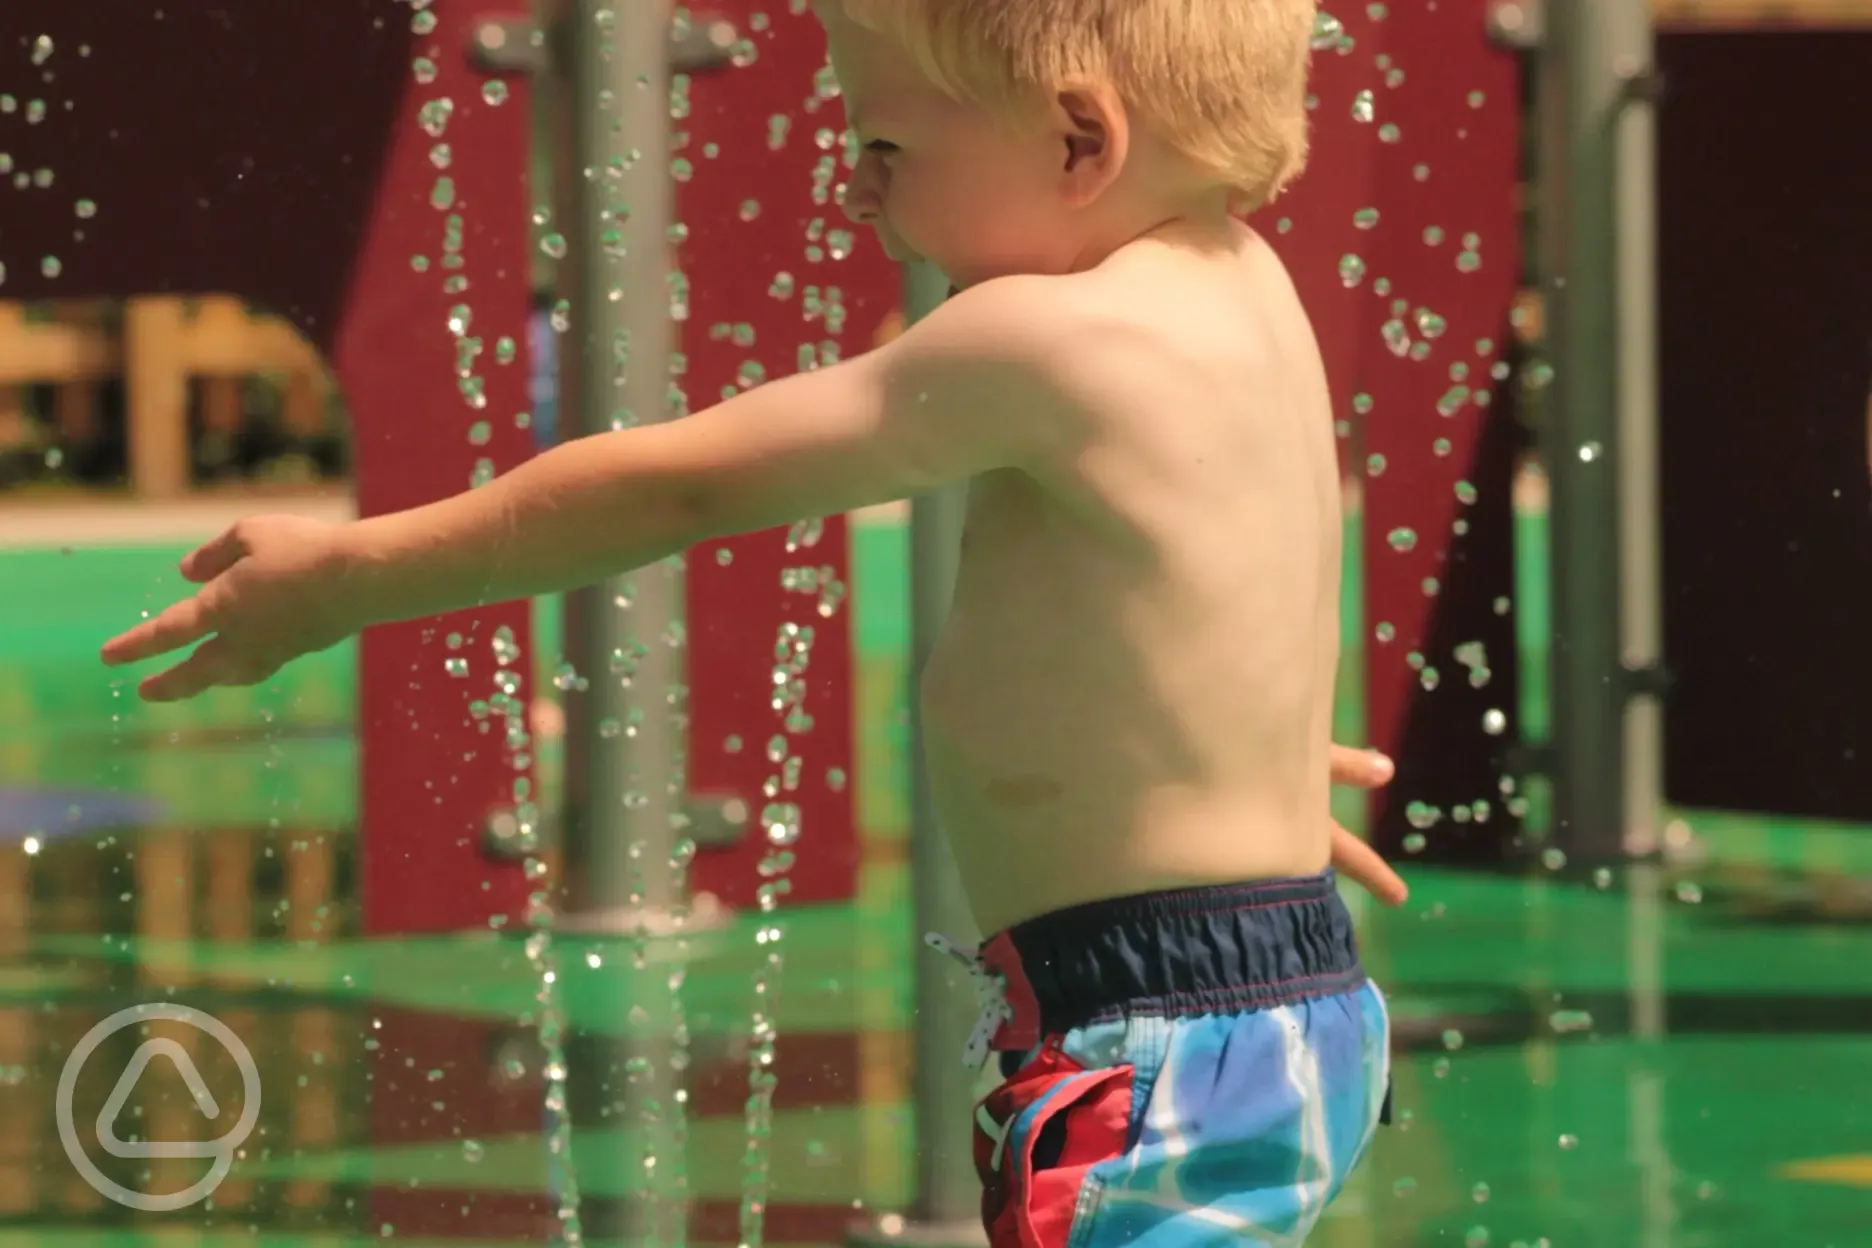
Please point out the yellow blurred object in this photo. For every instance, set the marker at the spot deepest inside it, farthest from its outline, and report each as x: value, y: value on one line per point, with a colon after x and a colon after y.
x: 1752, y: 14
x: 160, y: 343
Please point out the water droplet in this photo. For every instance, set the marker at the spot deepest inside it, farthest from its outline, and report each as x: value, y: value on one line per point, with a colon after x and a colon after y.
x: 1327, y: 31
x: 1374, y: 465
x: 1386, y: 632
x: 85, y: 209
x: 1565, y: 1021
x: 1389, y: 133
x: 1553, y: 858
x: 1396, y: 337
x: 1365, y: 218
x: 50, y: 266
x: 1402, y: 539
x: 1569, y: 1141
x: 1351, y: 269
x: 1479, y: 1193
x: 1414, y: 843
x: 1362, y: 106
x: 1477, y: 99
x: 472, y: 1151
x: 1590, y: 452
x: 494, y: 91
x: 42, y: 49
x: 424, y: 70
x: 1429, y: 324
x: 1689, y: 892
x: 1602, y: 877
x: 1477, y: 1237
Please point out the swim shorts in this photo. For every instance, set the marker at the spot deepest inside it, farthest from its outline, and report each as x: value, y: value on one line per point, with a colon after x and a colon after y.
x: 1198, y: 1067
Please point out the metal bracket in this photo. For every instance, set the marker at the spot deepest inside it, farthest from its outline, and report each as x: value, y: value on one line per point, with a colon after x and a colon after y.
x: 517, y: 46
x: 1641, y: 86
x: 715, y: 822
x: 507, y: 839
x: 1520, y: 25
x: 1649, y: 680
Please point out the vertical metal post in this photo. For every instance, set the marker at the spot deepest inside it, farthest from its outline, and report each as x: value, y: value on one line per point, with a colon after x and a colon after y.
x: 946, y: 1213
x: 624, y: 779
x: 620, y: 750
x: 1595, y: 227
x: 1641, y: 615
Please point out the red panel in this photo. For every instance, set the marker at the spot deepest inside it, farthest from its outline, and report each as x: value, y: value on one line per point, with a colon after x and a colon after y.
x: 284, y: 163
x: 1451, y: 166
x: 759, y: 204
x: 432, y: 773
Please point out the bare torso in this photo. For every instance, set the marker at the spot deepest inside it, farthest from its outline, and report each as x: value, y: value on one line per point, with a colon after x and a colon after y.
x: 1133, y: 690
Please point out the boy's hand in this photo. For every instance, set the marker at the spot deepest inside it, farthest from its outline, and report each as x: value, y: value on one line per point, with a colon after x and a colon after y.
x: 273, y: 588
x: 1351, y: 857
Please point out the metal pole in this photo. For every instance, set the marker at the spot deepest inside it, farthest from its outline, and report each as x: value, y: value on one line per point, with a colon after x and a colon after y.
x: 623, y: 767
x: 1641, y: 622
x: 1593, y: 53
x: 946, y: 1213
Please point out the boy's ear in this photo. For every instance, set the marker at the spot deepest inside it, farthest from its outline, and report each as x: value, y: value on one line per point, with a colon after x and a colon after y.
x: 1097, y: 138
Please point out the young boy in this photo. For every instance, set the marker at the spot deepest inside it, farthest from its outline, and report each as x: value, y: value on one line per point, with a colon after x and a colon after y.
x: 1128, y: 712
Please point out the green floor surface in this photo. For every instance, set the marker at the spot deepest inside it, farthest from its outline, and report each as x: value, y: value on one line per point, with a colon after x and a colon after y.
x: 1662, y: 1058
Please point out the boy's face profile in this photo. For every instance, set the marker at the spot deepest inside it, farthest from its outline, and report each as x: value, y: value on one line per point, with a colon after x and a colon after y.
x: 943, y: 181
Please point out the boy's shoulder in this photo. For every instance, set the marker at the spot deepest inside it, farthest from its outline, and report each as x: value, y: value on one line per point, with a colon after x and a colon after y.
x: 1047, y: 326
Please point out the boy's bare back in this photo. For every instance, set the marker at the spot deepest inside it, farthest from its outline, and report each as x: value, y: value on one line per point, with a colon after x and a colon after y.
x: 1133, y: 690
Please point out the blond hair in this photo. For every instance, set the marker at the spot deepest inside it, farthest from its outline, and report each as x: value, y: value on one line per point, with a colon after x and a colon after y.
x: 1222, y: 81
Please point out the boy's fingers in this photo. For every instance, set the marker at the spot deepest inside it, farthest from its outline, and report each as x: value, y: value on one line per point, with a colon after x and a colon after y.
x: 1365, y: 769
x: 211, y: 559
x: 187, y: 621
x: 202, y: 670
x: 1362, y: 864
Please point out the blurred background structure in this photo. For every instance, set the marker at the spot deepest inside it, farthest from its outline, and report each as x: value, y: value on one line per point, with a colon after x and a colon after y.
x: 579, y: 921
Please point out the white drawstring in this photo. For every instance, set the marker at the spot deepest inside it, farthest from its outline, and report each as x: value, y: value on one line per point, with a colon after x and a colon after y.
x: 990, y: 996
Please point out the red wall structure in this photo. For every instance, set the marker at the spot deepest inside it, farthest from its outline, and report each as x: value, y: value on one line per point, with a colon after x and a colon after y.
x: 1416, y: 156
x: 771, y: 284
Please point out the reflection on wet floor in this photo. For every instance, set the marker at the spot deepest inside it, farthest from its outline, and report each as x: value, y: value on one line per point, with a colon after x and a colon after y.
x: 1622, y: 1061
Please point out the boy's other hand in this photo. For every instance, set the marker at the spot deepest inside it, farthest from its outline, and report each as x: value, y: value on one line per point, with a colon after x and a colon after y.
x: 272, y: 588
x: 1351, y: 857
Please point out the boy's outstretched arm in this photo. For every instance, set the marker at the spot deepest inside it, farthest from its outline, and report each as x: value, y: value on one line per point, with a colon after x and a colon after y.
x: 972, y: 388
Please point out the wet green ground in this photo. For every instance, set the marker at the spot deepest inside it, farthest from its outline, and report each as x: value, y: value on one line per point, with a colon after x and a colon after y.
x: 1653, y: 1058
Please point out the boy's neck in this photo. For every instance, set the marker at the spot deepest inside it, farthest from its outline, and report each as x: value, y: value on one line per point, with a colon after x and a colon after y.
x: 1208, y: 227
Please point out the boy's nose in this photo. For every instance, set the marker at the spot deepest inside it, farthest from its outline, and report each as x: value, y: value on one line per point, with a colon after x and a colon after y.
x: 863, y: 191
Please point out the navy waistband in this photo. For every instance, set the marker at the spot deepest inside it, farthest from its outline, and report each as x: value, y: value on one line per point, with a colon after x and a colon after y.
x: 1223, y: 949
